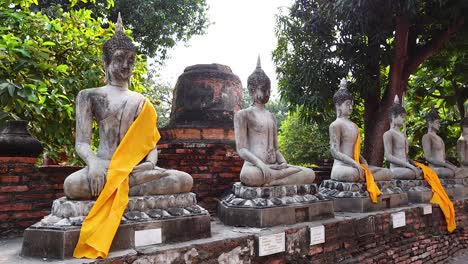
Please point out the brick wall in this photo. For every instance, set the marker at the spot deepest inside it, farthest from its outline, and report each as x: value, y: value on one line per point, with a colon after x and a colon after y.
x: 214, y: 167
x: 27, y: 192
x: 351, y: 238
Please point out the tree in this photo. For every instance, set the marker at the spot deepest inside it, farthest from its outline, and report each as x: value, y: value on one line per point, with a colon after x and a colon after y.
x: 377, y: 43
x: 156, y: 25
x: 303, y: 143
x: 44, y: 62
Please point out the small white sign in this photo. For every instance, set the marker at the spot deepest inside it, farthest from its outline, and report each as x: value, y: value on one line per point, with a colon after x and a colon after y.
x: 398, y: 219
x: 271, y: 244
x: 317, y: 235
x: 427, y: 209
x: 148, y: 237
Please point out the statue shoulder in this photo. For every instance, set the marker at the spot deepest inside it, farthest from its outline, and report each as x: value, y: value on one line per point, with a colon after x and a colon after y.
x: 242, y: 113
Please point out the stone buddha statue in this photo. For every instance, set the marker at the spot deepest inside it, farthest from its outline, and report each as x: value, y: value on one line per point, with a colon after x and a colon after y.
x: 257, y: 141
x: 462, y: 146
x: 434, y: 149
x: 115, y: 107
x: 343, y: 138
x: 396, y: 146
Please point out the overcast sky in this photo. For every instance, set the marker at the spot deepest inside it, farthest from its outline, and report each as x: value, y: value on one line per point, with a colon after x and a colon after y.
x: 240, y: 31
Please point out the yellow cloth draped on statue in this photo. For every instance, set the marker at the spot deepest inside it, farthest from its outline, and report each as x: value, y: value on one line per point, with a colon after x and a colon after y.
x: 101, y: 224
x: 439, y: 196
x: 372, y: 187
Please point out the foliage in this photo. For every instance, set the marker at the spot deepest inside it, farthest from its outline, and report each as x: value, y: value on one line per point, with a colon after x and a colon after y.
x: 45, y: 62
x: 156, y: 25
x: 161, y: 96
x: 303, y: 143
x: 376, y: 43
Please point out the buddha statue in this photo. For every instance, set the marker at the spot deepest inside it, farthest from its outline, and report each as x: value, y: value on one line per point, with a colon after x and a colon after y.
x: 343, y: 139
x: 256, y: 137
x: 115, y: 107
x: 462, y: 146
x: 396, y: 146
x: 434, y: 149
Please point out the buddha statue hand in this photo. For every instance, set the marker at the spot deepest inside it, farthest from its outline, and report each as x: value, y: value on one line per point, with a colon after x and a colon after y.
x: 97, y: 175
x: 266, y: 172
x: 144, y: 166
x: 280, y: 166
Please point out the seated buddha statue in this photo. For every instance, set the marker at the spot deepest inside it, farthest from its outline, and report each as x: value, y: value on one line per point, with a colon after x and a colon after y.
x: 434, y: 149
x: 114, y: 107
x: 396, y: 146
x: 256, y: 136
x: 343, y: 139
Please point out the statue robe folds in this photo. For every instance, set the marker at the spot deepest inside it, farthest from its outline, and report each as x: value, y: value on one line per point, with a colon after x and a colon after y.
x: 372, y: 187
x: 101, y: 224
x: 439, y: 197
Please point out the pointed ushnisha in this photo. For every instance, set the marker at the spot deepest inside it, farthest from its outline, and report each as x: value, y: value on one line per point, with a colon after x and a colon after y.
x: 118, y: 41
x: 396, y: 100
x: 342, y: 94
x: 258, y: 78
x: 396, y: 109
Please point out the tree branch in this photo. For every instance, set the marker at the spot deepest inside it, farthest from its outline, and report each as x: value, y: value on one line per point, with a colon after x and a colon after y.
x: 428, y: 50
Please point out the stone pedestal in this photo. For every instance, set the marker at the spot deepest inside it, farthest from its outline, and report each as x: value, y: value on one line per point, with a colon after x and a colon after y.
x: 353, y: 196
x: 418, y: 191
x: 271, y: 206
x: 177, y: 216
x: 455, y: 188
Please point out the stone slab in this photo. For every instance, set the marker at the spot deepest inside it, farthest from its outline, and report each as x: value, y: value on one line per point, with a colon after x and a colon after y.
x: 456, y: 192
x: 269, y: 192
x: 273, y: 216
x: 364, y: 204
x: 419, y: 196
x: 59, y: 243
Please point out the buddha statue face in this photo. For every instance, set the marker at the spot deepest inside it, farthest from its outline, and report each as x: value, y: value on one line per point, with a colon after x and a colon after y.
x: 260, y: 94
x: 434, y: 124
x: 121, y: 65
x: 399, y: 120
x: 345, y: 108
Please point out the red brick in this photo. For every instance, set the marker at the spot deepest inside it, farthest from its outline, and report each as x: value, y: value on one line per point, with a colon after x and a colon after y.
x: 23, y: 169
x: 16, y: 188
x: 202, y: 176
x: 28, y: 160
x: 4, y: 216
x: 228, y: 175
x: 15, y: 207
x: 315, y: 250
x: 9, y: 179
x: 3, y: 169
x: 26, y: 215
x: 26, y: 223
x: 5, y: 198
x: 34, y: 196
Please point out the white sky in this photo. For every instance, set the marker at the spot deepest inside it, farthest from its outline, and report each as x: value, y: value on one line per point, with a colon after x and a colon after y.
x: 240, y: 31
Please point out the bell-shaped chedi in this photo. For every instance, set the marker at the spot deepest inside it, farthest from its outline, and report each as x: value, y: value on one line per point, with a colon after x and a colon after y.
x: 205, y: 99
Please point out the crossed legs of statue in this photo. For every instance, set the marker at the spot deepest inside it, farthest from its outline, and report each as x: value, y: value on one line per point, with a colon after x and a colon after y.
x: 158, y: 181
x: 346, y: 173
x: 406, y: 174
x: 251, y: 175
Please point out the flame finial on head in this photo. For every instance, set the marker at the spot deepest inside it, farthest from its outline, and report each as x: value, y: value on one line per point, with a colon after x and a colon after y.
x: 396, y: 100
x: 343, y: 83
x: 342, y: 94
x: 119, y: 27
x: 259, y: 64
x: 258, y: 78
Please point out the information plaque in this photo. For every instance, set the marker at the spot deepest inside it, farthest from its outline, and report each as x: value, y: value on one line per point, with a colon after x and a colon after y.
x: 271, y: 244
x: 398, y: 219
x: 317, y: 235
x: 148, y: 237
x: 427, y: 209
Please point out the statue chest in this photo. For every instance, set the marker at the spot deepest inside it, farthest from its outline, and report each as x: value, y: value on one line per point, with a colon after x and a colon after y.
x: 106, y: 107
x: 261, y: 123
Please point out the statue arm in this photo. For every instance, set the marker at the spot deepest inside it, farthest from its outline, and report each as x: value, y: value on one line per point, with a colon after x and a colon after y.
x: 427, y: 148
x: 461, y: 152
x: 279, y: 157
x: 388, y: 149
x: 335, y: 148
x: 84, y: 121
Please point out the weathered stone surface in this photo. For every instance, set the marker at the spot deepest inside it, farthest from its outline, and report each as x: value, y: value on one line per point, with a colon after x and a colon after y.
x: 206, y: 95
x: 418, y: 191
x: 67, y: 212
x: 337, y: 189
x: 59, y: 242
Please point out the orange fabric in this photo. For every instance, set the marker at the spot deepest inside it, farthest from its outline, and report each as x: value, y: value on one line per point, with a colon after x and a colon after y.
x: 372, y: 187
x: 101, y: 224
x: 439, y: 196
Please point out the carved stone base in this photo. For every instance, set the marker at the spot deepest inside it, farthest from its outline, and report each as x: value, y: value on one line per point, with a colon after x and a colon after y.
x: 353, y: 196
x: 178, y: 216
x: 456, y: 189
x: 418, y: 191
x: 275, y: 205
x: 60, y: 242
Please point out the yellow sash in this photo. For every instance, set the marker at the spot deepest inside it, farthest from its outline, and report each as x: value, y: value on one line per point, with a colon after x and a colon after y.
x: 103, y: 220
x: 439, y: 197
x: 372, y: 187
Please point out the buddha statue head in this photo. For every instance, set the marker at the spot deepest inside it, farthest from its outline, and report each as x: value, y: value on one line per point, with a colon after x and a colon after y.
x: 343, y: 100
x: 397, y: 112
x: 119, y: 55
x: 259, y: 85
x: 433, y: 119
